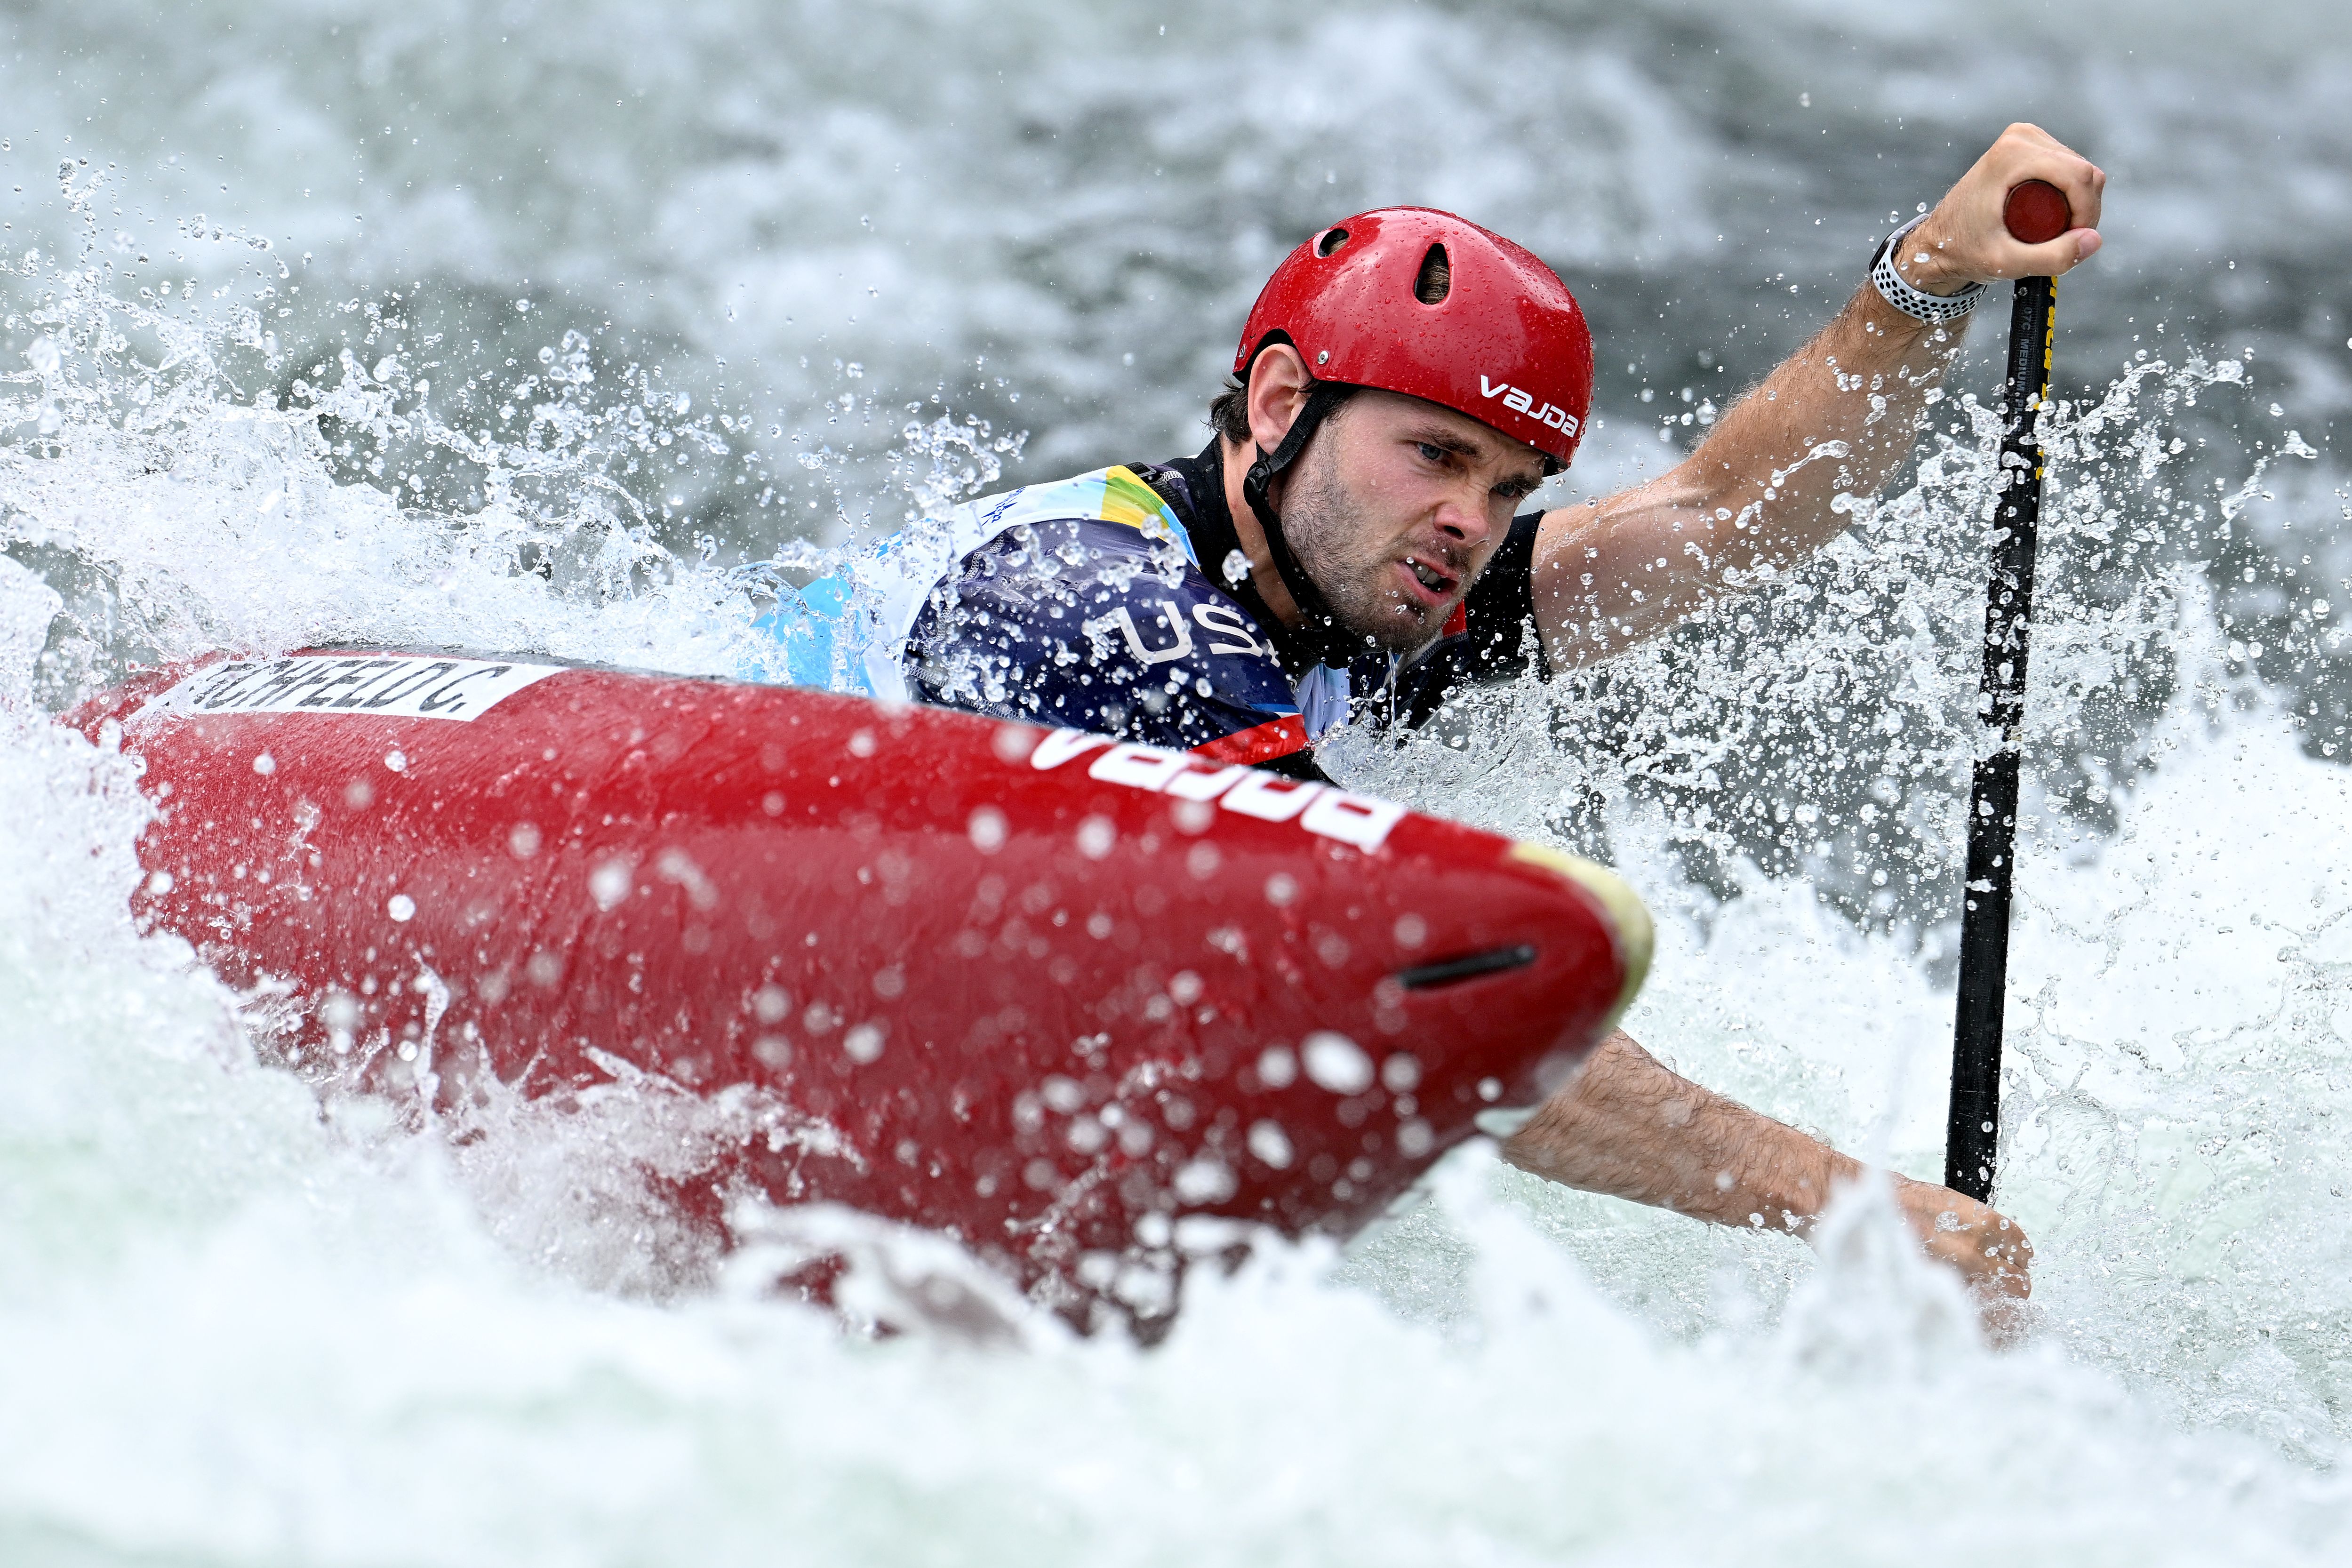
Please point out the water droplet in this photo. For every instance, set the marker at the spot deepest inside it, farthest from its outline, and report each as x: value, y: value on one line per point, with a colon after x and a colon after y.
x: 1270, y: 1144
x: 1336, y: 1063
x: 987, y: 829
x: 609, y: 883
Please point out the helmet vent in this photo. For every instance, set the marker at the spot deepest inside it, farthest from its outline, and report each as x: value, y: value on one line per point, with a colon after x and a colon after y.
x: 1437, y: 280
x: 1333, y: 238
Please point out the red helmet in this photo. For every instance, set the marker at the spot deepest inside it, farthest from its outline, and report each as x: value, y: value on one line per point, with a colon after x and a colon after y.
x: 1415, y: 300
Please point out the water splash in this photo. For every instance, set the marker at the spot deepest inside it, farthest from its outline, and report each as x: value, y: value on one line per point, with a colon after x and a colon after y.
x: 1821, y: 720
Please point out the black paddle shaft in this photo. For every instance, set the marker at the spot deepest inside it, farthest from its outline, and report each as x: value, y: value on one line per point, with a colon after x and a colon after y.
x: 1972, y: 1133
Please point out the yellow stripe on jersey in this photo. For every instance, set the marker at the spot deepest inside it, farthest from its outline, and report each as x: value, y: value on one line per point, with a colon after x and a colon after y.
x: 1126, y: 499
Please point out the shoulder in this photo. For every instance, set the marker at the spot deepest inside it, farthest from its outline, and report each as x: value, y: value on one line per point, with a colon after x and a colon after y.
x: 1121, y: 589
x: 1091, y: 624
x: 1052, y: 563
x: 1117, y: 497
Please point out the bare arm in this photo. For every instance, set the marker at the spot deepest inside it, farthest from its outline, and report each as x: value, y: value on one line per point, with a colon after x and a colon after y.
x: 1838, y: 417
x: 1628, y: 1127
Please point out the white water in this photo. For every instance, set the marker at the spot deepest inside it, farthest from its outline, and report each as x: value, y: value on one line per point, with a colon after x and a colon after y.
x: 235, y: 1330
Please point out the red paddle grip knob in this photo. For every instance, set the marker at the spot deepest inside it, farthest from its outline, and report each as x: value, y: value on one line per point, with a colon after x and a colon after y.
x: 2036, y: 211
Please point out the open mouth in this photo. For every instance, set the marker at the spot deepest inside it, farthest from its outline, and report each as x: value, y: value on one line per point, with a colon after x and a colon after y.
x: 1434, y: 582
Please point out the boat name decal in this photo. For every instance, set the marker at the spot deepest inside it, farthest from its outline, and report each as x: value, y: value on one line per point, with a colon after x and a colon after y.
x: 1361, y: 820
x: 391, y: 686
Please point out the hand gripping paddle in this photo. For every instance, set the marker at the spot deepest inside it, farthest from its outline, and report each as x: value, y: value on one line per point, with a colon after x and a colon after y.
x: 2036, y: 211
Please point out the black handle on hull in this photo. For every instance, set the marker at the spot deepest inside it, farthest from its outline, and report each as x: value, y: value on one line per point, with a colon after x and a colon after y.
x: 1972, y: 1132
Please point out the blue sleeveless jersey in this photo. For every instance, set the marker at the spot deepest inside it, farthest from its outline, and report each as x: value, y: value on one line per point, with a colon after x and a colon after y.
x: 1082, y: 605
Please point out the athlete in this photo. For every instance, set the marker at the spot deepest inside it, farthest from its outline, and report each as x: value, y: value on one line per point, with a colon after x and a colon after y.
x: 1345, y: 548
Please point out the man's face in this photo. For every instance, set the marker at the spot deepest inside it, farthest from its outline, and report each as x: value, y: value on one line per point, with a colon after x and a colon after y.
x: 1396, y: 506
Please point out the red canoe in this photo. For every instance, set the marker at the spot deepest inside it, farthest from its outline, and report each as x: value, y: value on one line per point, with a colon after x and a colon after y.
x: 1041, y: 991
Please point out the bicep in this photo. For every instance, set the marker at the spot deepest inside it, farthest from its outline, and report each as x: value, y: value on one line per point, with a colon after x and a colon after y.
x: 1611, y: 572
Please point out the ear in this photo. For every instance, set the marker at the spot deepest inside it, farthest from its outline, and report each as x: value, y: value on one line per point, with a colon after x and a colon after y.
x: 1278, y: 384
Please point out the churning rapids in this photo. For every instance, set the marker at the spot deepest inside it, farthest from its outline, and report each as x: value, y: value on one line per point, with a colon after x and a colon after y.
x: 576, y: 329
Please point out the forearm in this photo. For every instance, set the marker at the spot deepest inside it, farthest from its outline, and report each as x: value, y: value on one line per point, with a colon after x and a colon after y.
x: 1628, y: 1127
x: 1837, y: 418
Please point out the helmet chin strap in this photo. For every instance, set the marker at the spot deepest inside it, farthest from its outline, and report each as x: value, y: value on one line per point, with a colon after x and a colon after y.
x: 1326, y: 396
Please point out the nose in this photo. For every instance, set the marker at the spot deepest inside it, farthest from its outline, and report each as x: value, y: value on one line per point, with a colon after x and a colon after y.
x: 1462, y: 516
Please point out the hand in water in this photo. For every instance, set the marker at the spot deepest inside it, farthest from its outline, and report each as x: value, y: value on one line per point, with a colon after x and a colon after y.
x: 1629, y: 1126
x: 1987, y: 1249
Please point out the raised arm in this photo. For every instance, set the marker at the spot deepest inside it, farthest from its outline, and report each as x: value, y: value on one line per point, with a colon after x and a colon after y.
x: 1837, y: 418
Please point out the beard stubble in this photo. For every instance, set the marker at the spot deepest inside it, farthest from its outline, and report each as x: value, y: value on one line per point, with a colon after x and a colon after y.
x: 1321, y: 518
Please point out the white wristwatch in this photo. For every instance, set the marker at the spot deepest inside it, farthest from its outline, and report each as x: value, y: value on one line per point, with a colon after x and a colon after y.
x: 1917, y: 303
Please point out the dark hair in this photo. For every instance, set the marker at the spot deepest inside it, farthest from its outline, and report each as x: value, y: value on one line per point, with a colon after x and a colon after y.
x: 1229, y: 412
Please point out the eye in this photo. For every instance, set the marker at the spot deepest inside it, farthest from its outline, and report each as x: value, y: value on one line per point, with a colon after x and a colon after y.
x: 1431, y: 453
